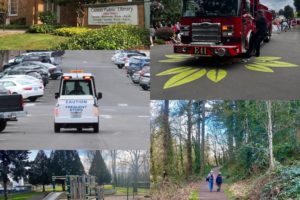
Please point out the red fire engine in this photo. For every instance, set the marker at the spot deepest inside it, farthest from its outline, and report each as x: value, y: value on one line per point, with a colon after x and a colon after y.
x: 218, y: 28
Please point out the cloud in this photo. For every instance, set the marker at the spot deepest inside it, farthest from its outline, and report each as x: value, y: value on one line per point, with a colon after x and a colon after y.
x: 277, y: 4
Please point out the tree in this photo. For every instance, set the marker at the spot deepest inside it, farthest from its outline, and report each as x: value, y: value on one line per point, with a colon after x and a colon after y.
x: 289, y: 12
x: 189, y: 139
x: 270, y: 134
x: 12, y: 163
x: 99, y: 169
x: 114, y: 154
x: 297, y: 6
x: 203, y: 140
x: 65, y: 162
x: 136, y: 162
x: 281, y: 12
x: 79, y: 7
x: 39, y: 172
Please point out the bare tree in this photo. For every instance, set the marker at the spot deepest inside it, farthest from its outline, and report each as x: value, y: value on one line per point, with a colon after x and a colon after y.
x: 270, y: 134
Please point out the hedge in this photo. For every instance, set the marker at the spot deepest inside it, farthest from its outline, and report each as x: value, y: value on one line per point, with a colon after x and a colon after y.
x: 111, y: 37
x: 71, y: 31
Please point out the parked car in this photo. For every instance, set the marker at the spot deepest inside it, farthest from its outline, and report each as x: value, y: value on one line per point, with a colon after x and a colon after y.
x: 28, y: 89
x: 52, y: 69
x: 136, y: 63
x: 27, y: 77
x: 25, y: 69
x: 119, y: 52
x: 124, y: 57
x: 145, y: 81
x: 138, y: 74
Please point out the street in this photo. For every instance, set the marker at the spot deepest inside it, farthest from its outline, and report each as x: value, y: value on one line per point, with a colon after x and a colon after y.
x: 124, y: 112
x: 274, y: 75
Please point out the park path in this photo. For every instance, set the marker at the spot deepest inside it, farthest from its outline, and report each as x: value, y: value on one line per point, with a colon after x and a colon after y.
x: 205, y: 194
x: 10, y: 32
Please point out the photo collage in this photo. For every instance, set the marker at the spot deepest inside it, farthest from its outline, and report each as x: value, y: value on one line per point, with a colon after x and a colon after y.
x: 149, y: 100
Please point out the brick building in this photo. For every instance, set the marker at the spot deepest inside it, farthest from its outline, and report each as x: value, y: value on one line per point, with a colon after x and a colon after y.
x: 27, y: 11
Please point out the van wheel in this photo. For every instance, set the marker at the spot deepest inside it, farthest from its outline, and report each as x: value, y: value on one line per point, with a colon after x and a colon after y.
x: 56, y: 128
x: 96, y: 128
x: 32, y: 99
x: 120, y: 66
x: 3, y: 124
x: 145, y: 87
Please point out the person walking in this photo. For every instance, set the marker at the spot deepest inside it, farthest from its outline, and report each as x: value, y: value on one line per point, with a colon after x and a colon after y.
x: 260, y: 34
x: 210, y: 180
x: 152, y: 34
x: 219, y: 181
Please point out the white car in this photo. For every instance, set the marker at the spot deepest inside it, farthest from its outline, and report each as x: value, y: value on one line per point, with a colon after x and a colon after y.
x: 30, y: 90
x: 27, y: 77
x: 77, y: 102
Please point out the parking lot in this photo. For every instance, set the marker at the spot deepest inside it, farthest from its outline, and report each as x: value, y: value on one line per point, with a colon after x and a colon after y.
x: 124, y: 111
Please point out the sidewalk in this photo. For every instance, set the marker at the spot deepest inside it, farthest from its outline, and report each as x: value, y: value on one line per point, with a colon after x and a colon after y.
x: 10, y: 32
x: 205, y: 194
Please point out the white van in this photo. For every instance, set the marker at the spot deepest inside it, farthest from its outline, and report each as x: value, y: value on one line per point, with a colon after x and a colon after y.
x: 77, y: 104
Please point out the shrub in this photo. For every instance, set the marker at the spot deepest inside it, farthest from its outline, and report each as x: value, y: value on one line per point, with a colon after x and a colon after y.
x: 159, y: 41
x: 285, y: 184
x: 19, y: 21
x: 41, y: 28
x: 112, y: 37
x: 71, y: 31
x: 164, y: 33
x: 48, y: 17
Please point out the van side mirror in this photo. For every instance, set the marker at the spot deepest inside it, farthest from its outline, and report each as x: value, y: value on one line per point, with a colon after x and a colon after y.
x: 56, y: 95
x: 99, y: 95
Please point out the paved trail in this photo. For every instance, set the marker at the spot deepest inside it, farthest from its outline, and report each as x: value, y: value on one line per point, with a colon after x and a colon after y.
x: 205, y: 194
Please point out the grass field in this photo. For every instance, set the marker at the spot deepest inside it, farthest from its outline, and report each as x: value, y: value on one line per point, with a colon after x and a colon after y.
x: 23, y: 196
x: 30, y: 41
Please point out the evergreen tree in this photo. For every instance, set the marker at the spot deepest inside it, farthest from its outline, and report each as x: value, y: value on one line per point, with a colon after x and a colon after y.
x: 99, y: 169
x: 12, y: 163
x: 297, y: 5
x: 39, y: 172
x: 66, y: 162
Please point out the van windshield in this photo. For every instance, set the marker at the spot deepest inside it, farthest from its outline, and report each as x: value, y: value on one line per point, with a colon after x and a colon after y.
x: 77, y: 87
x: 210, y: 8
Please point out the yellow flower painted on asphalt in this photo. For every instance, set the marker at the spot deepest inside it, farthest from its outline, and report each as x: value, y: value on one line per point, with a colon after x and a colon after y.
x: 187, y: 74
x: 183, y: 76
x: 265, y: 64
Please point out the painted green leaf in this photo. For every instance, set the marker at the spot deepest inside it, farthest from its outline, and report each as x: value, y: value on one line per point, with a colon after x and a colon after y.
x: 259, y: 68
x: 184, y: 78
x: 267, y: 58
x: 174, y: 71
x: 276, y: 64
x: 175, y: 58
x: 216, y: 75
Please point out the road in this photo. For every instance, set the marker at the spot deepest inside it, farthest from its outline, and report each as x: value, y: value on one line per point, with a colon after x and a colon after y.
x: 275, y: 75
x: 124, y: 112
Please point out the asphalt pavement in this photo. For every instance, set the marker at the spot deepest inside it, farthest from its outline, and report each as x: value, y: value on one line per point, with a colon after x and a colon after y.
x: 124, y: 112
x: 275, y: 75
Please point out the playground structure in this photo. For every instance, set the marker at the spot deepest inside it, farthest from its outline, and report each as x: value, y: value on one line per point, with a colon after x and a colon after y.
x: 80, y: 187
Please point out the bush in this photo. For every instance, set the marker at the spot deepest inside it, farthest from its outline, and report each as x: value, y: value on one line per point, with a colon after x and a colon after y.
x: 164, y: 33
x: 19, y: 21
x: 159, y: 41
x: 48, y: 17
x: 112, y: 37
x: 285, y: 184
x: 71, y: 31
x: 41, y: 28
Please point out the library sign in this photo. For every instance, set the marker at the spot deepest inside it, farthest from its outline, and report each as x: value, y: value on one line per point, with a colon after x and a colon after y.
x: 113, y: 15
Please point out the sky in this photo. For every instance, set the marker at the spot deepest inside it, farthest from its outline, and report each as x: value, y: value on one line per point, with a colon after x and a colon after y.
x: 277, y: 4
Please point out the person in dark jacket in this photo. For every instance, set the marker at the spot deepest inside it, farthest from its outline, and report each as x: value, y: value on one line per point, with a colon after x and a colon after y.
x: 219, y: 181
x: 260, y: 34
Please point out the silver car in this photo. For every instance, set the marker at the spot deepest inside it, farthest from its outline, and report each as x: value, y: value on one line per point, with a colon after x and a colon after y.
x: 145, y: 81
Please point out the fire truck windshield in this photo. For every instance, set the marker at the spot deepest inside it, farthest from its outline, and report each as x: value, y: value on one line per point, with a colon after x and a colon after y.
x: 210, y: 8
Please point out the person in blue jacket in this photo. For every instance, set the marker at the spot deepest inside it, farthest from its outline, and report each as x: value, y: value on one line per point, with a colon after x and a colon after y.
x: 219, y: 181
x: 210, y: 180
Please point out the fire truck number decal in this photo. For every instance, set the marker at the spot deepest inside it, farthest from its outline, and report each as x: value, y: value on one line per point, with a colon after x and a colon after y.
x: 200, y: 51
x: 187, y: 74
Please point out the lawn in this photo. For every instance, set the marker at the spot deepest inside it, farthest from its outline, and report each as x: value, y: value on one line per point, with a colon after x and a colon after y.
x: 30, y: 41
x: 23, y: 196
